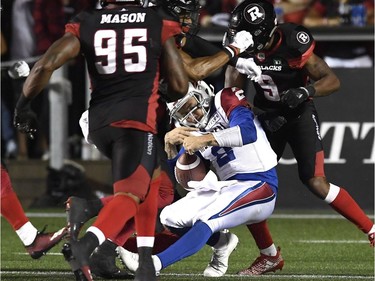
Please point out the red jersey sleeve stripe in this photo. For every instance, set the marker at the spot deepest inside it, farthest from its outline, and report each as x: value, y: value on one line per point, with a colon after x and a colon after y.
x: 72, y: 28
x: 300, y: 62
x: 170, y: 28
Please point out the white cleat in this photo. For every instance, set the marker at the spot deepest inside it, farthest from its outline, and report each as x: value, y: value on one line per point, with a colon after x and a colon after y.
x: 219, y: 261
x: 131, y: 260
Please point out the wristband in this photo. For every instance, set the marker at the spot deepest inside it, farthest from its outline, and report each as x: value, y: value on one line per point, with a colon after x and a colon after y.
x: 23, y: 102
x: 230, y: 51
x: 310, y: 90
x: 233, y: 61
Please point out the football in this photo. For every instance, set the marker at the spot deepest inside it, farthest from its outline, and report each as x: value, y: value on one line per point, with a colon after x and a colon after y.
x: 189, y: 168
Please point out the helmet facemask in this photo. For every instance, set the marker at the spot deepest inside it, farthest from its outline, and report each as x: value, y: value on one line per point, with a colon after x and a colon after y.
x: 202, y: 95
x: 187, y: 11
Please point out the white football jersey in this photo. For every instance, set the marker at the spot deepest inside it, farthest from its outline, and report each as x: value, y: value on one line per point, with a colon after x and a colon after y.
x: 236, y: 162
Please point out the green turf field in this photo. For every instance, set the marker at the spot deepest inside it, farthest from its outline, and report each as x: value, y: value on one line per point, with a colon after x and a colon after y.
x: 313, y: 247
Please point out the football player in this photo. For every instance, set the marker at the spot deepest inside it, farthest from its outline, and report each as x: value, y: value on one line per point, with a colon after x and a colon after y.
x: 124, y: 44
x: 292, y: 76
x: 37, y: 243
x: 221, y: 129
x: 79, y: 211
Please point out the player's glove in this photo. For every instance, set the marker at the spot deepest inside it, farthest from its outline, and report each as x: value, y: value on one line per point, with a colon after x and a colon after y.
x: 295, y: 96
x: 241, y: 41
x: 25, y: 119
x: 271, y: 122
x: 249, y: 68
x: 19, y: 69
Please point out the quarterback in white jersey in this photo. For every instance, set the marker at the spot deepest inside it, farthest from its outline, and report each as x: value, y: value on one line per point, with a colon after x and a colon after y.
x: 223, y: 130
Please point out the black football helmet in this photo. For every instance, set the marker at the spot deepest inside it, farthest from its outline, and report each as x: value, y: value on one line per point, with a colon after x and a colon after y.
x: 143, y: 3
x: 255, y: 16
x: 184, y: 9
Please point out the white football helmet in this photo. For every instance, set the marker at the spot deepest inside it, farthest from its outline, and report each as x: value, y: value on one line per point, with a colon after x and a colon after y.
x: 203, y: 93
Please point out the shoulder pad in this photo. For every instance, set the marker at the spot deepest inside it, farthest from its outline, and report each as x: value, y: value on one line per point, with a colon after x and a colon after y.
x: 80, y: 17
x: 297, y: 37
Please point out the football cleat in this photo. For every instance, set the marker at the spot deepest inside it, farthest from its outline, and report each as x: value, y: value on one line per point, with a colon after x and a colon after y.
x: 43, y: 242
x: 103, y: 262
x: 130, y: 260
x: 75, y: 255
x: 78, y: 212
x: 146, y: 268
x: 219, y: 261
x: 264, y: 264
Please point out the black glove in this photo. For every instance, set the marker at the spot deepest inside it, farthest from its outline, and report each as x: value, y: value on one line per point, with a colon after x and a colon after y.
x: 271, y: 122
x: 294, y: 97
x: 25, y: 119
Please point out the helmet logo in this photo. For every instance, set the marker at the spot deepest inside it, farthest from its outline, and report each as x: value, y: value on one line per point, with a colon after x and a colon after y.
x: 303, y: 37
x: 254, y: 14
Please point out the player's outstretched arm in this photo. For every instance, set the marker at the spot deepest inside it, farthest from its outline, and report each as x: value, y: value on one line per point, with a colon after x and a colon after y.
x: 173, y: 71
x: 64, y: 49
x: 326, y: 81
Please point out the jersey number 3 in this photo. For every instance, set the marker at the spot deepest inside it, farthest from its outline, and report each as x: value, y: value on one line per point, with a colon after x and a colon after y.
x: 105, y: 42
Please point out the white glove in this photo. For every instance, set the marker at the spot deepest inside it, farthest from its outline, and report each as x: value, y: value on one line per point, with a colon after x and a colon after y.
x: 249, y: 68
x: 19, y: 69
x: 242, y: 40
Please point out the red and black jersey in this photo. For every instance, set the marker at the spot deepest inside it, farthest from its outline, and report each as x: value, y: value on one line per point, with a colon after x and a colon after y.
x: 282, y: 64
x: 122, y: 48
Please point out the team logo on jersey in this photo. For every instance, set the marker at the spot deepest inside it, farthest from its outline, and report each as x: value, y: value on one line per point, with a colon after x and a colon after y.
x: 254, y: 14
x: 303, y: 37
x: 277, y: 62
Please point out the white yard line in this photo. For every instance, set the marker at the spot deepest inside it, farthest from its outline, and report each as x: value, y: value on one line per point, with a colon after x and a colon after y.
x: 274, y: 216
x: 230, y: 276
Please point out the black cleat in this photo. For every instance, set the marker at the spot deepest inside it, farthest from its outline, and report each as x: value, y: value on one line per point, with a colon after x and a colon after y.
x: 103, y: 263
x: 146, y: 269
x: 78, y: 212
x: 75, y: 256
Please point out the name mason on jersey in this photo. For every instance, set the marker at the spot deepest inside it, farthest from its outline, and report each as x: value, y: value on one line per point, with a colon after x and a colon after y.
x: 123, y: 18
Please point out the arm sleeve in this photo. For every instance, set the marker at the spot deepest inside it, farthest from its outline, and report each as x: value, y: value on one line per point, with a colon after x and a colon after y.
x: 243, y: 117
x: 196, y: 46
x: 170, y: 28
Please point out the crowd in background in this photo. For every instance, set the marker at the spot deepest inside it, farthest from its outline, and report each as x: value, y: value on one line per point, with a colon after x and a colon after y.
x: 29, y: 27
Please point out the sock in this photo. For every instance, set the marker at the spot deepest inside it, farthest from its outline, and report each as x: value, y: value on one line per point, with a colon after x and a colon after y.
x: 261, y: 234
x: 113, y: 217
x: 145, y: 241
x: 166, y: 191
x: 162, y: 241
x: 27, y: 233
x: 270, y: 251
x: 125, y: 235
x: 341, y: 201
x: 372, y: 230
x: 187, y: 245
x: 145, y: 220
x: 12, y: 210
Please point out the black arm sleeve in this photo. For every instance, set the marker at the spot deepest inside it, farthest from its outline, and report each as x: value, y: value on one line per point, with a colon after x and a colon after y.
x: 196, y: 46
